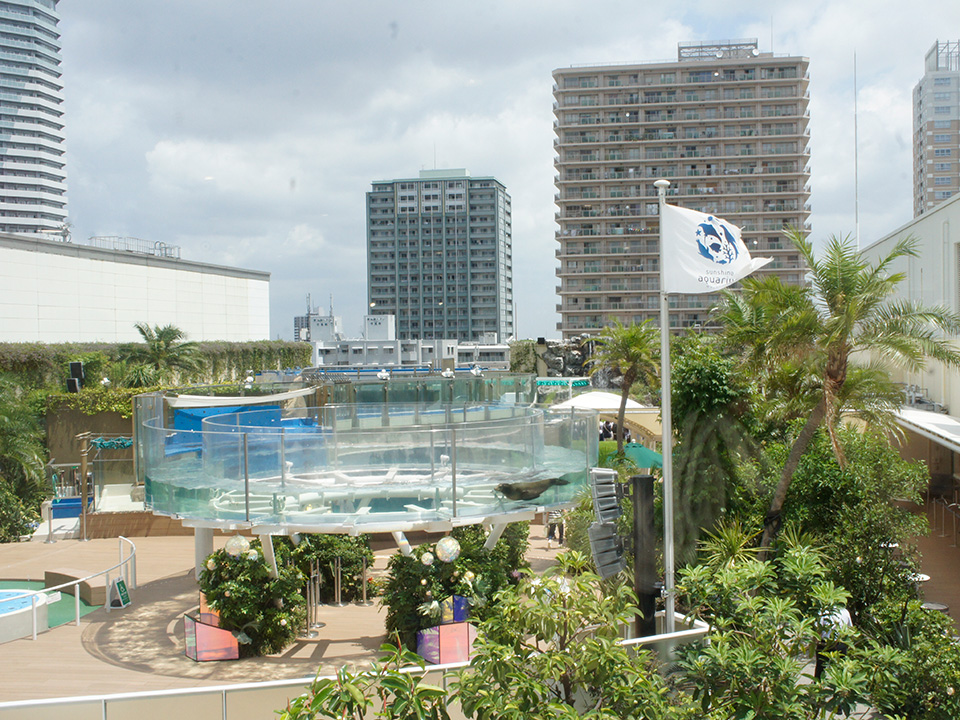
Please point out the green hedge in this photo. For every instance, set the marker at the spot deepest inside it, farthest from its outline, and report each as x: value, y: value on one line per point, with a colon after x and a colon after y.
x: 47, y: 366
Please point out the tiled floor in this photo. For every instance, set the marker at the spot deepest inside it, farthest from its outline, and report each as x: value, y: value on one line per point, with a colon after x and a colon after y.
x: 141, y: 647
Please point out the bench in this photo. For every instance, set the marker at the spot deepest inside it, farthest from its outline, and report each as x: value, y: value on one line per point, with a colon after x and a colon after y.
x: 92, y: 591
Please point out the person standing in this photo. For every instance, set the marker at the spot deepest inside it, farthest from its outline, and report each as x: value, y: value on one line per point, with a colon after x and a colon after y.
x: 555, y: 528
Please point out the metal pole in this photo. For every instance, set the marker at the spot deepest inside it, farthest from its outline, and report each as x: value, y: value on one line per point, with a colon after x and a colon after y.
x: 84, y: 447
x: 337, y: 585
x: 453, y: 468
x: 666, y: 423
x: 33, y: 610
x: 363, y: 578
x: 283, y: 462
x: 246, y: 479
x: 76, y: 605
x: 644, y: 561
x: 50, y: 539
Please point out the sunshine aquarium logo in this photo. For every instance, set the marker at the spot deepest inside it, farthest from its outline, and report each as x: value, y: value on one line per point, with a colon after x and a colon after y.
x: 717, y: 241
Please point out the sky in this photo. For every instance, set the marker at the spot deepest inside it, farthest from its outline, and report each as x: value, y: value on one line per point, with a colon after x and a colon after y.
x: 248, y: 132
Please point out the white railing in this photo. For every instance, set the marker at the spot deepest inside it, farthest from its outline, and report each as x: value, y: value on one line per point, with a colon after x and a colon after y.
x: 253, y: 701
x: 127, y: 567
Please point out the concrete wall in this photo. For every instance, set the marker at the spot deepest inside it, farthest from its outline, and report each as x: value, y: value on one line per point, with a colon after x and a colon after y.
x: 65, y: 424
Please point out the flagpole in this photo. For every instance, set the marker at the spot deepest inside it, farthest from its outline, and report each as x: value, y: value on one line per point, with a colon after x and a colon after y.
x: 666, y: 423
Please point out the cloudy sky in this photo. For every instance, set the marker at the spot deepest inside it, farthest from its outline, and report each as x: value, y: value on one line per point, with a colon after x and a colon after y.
x: 248, y: 131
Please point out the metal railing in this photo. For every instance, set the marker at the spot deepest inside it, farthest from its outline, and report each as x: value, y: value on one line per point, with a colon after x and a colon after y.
x: 127, y: 567
x: 252, y: 700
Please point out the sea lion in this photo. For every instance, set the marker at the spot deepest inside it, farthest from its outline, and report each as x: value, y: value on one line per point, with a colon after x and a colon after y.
x: 528, y: 490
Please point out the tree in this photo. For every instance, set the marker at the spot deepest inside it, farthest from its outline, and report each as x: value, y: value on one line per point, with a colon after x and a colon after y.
x: 163, y: 355
x: 630, y: 350
x: 21, y: 462
x: 848, y: 311
x: 552, y: 651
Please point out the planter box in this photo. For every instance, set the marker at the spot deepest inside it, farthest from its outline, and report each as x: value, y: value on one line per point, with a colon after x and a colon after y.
x: 446, y: 643
x: 455, y: 609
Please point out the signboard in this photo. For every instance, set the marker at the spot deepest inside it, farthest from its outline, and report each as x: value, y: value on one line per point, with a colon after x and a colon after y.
x: 121, y: 598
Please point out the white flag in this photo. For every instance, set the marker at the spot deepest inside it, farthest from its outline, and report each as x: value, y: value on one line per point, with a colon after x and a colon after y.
x: 701, y: 253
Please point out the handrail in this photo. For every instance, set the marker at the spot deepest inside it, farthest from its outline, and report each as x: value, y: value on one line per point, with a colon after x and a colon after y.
x: 128, y: 571
x: 699, y: 629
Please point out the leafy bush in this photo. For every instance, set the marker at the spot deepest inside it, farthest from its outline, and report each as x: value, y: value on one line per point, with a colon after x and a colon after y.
x: 264, y: 613
x: 477, y: 574
x: 325, y: 549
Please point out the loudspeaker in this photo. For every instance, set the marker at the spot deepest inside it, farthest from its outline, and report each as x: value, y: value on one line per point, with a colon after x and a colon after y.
x: 76, y: 374
x: 607, y: 549
x: 73, y: 385
x: 606, y: 495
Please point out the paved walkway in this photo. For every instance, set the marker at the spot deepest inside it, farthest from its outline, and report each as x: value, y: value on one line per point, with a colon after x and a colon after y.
x: 141, y: 647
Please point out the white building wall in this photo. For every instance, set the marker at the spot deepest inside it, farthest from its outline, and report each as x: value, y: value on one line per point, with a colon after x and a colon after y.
x: 931, y: 278
x: 72, y: 293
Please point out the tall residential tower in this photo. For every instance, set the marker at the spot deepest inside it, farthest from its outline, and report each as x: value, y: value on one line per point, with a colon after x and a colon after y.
x: 936, y: 128
x: 726, y: 124
x: 439, y: 256
x: 32, y: 176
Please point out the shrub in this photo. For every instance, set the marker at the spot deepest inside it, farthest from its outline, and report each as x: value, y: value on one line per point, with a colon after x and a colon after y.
x: 477, y: 574
x: 325, y: 549
x: 264, y: 613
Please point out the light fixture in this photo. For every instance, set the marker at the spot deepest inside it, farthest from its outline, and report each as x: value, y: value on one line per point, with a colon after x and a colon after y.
x: 105, y: 382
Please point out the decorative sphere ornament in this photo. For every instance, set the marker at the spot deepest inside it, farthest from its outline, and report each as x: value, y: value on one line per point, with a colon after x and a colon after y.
x: 226, y: 593
x: 468, y: 576
x: 423, y: 581
x: 448, y: 549
x: 253, y: 555
x: 427, y: 559
x: 283, y: 622
x: 211, y: 564
x: 236, y: 546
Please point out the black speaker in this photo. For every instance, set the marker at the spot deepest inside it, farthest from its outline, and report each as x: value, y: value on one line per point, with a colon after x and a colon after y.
x: 76, y: 373
x: 73, y: 385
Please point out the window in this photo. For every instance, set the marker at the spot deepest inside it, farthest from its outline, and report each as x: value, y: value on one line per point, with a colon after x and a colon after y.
x: 941, y: 138
x: 941, y: 110
x: 942, y: 195
x: 942, y: 96
x: 941, y: 124
x: 942, y: 152
x: 942, y: 167
x: 943, y: 181
x: 941, y: 81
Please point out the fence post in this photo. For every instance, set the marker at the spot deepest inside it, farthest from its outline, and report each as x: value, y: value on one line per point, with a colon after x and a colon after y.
x: 246, y: 480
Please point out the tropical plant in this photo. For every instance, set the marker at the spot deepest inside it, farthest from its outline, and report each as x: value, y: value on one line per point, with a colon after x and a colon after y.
x: 766, y: 618
x: 163, y: 355
x: 848, y: 311
x: 631, y: 351
x: 324, y: 551
x: 552, y: 650
x: 21, y: 462
x: 392, y: 689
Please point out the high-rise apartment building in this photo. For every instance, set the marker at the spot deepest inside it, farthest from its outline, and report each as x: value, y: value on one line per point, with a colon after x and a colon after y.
x: 32, y: 176
x: 726, y: 124
x: 936, y: 128
x: 439, y: 256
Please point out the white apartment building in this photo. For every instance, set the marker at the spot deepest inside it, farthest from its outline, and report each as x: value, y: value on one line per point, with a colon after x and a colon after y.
x: 726, y: 124
x: 936, y: 128
x: 32, y: 169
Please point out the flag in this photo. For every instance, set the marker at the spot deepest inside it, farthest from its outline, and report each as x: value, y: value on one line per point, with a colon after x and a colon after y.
x: 701, y: 253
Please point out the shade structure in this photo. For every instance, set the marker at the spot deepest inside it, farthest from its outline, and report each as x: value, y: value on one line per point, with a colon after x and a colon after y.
x: 642, y: 456
x: 643, y: 420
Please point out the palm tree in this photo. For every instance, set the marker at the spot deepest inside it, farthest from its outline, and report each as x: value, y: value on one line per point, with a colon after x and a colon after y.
x: 164, y: 353
x: 630, y: 350
x: 848, y: 310
x: 21, y: 443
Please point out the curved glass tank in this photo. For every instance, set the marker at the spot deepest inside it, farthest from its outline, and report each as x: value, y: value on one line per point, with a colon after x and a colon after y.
x: 375, y: 467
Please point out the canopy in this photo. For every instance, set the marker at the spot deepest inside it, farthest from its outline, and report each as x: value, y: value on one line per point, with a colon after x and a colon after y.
x: 643, y: 457
x: 643, y: 420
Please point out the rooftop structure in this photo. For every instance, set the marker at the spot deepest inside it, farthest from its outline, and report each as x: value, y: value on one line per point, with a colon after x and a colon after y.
x: 440, y: 256
x: 936, y: 128
x: 32, y: 174
x: 726, y: 123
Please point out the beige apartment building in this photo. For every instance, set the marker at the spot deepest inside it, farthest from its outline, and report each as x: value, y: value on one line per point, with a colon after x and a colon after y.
x: 726, y: 124
x: 936, y: 128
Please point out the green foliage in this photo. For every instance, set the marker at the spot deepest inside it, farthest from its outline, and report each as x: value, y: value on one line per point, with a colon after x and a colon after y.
x: 913, y: 662
x: 766, y: 620
x: 711, y: 416
x: 392, y: 688
x: 552, y: 650
x: 22, y: 455
x: 264, y: 613
x: 95, y: 399
x: 42, y: 366
x: 476, y: 574
x: 325, y: 549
